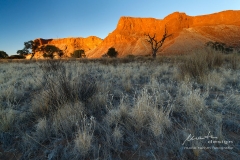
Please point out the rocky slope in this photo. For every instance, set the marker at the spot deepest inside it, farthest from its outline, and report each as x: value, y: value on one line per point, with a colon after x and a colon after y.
x: 189, y: 33
x: 69, y: 45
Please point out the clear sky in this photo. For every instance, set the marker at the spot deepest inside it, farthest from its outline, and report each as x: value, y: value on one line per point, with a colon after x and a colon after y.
x: 24, y: 20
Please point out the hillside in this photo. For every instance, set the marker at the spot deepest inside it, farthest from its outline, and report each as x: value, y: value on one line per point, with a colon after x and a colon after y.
x: 189, y: 33
x: 69, y: 45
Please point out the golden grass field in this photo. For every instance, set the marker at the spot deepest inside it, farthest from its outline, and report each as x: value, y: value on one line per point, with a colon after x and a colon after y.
x: 129, y: 108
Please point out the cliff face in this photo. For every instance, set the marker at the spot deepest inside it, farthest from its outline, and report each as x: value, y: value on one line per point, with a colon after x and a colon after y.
x: 69, y: 45
x: 189, y: 33
x: 129, y: 37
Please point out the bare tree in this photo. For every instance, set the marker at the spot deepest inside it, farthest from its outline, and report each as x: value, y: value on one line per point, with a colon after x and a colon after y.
x: 155, y: 44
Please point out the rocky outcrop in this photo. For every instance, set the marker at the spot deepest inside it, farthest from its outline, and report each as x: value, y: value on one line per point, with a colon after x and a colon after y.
x: 69, y: 45
x: 189, y: 33
x: 129, y: 37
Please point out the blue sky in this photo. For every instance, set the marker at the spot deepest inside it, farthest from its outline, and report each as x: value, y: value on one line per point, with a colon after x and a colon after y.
x: 24, y: 20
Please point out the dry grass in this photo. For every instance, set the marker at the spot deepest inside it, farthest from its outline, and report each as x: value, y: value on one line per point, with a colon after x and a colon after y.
x: 84, y: 135
x: 197, y: 66
x: 7, y: 117
x: 134, y: 107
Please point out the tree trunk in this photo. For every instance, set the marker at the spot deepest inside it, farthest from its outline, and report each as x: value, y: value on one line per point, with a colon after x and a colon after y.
x: 32, y: 56
x: 154, y: 54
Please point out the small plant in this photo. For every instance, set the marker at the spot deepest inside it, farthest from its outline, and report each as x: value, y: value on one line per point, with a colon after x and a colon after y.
x: 197, y: 65
x: 112, y: 52
x: 7, y: 118
x: 233, y: 61
x: 104, y: 55
x: 84, y: 136
x: 78, y: 54
x: 57, y: 93
x: 193, y: 67
x: 130, y: 56
x: 218, y: 46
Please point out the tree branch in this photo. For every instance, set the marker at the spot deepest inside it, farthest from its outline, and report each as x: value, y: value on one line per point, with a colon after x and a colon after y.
x: 155, y: 45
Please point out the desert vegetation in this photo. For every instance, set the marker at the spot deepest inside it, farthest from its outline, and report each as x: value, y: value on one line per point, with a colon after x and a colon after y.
x: 50, y: 51
x: 157, y: 44
x: 120, y: 108
x: 78, y: 54
x: 218, y: 46
x: 30, y: 47
x: 3, y: 54
x: 111, y: 53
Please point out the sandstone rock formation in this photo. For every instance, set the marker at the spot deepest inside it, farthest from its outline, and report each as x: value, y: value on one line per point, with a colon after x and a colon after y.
x: 189, y: 33
x: 69, y: 45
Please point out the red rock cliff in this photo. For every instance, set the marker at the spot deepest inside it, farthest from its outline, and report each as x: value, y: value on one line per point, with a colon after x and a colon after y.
x: 188, y: 33
x: 69, y: 45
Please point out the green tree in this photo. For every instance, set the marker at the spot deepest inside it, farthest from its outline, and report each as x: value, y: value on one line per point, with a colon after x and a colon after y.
x: 30, y: 47
x: 78, y: 54
x: 112, y: 52
x: 22, y: 52
x: 3, y: 54
x: 49, y: 50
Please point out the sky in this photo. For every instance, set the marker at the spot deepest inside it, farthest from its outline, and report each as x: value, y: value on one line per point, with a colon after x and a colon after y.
x: 24, y: 20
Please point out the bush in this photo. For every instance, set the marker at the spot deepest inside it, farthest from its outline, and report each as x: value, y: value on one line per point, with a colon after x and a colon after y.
x: 112, y: 52
x: 49, y: 51
x: 233, y: 60
x: 57, y: 93
x: 130, y: 56
x: 3, y: 54
x: 104, y: 55
x: 196, y: 66
x: 16, y: 57
x: 218, y: 46
x: 78, y: 54
x: 45, y: 55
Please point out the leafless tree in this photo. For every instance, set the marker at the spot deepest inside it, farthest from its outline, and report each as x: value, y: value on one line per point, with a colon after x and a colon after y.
x: 155, y: 44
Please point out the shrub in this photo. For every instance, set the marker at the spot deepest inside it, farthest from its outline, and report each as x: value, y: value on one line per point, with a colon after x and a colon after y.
x: 7, y: 118
x: 78, y: 54
x: 193, y: 68
x: 16, y: 57
x: 233, y: 60
x: 130, y: 56
x: 57, y: 93
x: 218, y: 46
x: 112, y: 52
x: 197, y: 65
x: 3, y: 54
x: 45, y: 55
x: 104, y: 55
x: 49, y: 51
x: 84, y: 136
